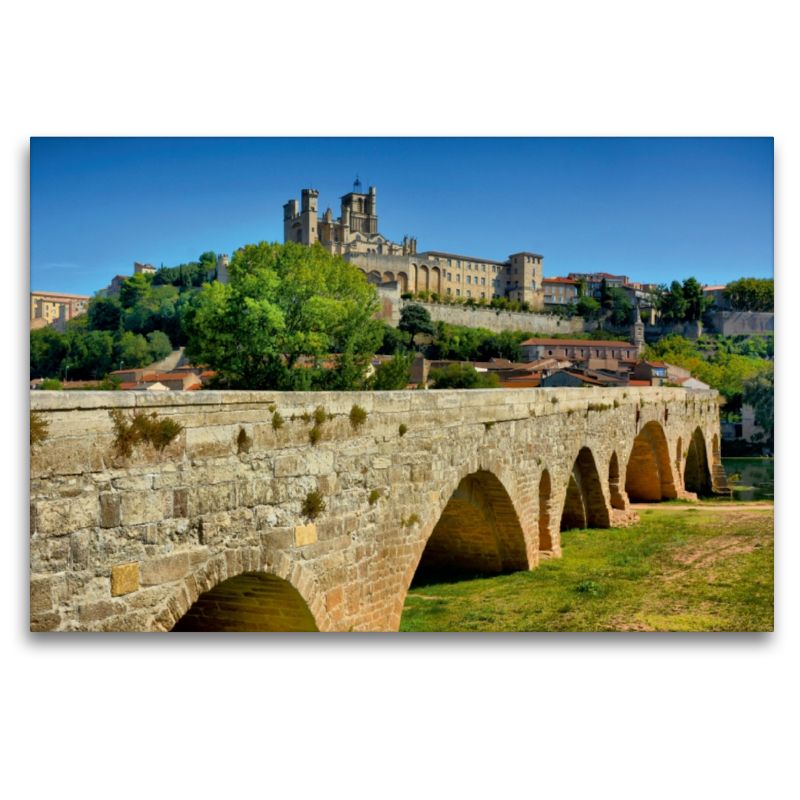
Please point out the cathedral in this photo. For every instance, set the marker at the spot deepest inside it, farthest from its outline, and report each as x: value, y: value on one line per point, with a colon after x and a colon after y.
x: 355, y: 236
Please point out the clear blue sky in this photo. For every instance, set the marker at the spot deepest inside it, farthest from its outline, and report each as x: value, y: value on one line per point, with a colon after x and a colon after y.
x: 653, y: 209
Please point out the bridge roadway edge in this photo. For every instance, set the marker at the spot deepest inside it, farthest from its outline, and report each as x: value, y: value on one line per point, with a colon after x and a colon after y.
x: 129, y: 544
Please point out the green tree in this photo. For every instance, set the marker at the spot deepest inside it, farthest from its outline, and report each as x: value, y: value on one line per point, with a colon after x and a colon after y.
x: 696, y: 301
x: 588, y: 308
x: 48, y: 349
x: 463, y: 376
x: 134, y: 290
x: 759, y: 392
x: 751, y: 294
x: 416, y: 319
x: 394, y: 340
x: 104, y: 314
x: 392, y: 375
x: 621, y: 308
x: 133, y: 351
x: 582, y: 286
x: 285, y: 303
x: 673, y: 305
x: 50, y: 385
x: 160, y: 346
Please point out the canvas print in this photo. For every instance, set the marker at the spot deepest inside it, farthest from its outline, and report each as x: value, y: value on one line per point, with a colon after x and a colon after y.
x: 401, y: 385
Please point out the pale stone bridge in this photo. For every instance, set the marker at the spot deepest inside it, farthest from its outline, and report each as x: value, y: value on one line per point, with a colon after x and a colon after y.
x: 210, y: 534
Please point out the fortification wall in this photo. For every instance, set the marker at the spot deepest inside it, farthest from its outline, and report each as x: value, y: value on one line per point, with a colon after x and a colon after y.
x: 735, y: 323
x: 498, y: 321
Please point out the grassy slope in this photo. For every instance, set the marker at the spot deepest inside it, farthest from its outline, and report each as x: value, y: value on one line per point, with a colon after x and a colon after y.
x: 678, y: 570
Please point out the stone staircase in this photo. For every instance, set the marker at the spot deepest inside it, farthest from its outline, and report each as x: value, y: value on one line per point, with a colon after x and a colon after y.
x: 719, y: 480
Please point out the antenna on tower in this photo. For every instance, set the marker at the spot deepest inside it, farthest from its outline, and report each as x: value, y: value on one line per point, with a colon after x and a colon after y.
x: 357, y: 185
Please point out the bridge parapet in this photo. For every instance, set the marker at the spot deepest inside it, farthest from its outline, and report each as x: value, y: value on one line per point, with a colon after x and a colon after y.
x: 131, y: 543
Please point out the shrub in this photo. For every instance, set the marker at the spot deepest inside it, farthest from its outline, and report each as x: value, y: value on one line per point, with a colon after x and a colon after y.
x: 616, y: 403
x: 588, y: 587
x: 243, y: 442
x: 313, y: 505
x: 38, y: 429
x: 358, y: 416
x: 314, y: 435
x: 403, y: 430
x: 488, y: 425
x: 277, y: 421
x: 411, y: 521
x: 142, y: 428
x: 320, y: 415
x: 598, y: 406
x: 305, y: 416
x: 50, y: 384
x: 374, y: 496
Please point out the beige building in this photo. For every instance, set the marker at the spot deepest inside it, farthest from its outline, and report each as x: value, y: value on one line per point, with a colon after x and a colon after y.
x: 56, y: 309
x: 560, y: 291
x: 355, y: 236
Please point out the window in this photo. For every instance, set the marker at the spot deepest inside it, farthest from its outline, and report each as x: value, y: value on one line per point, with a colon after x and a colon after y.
x: 469, y: 293
x: 449, y: 276
x: 458, y: 263
x: 533, y: 285
x: 508, y: 270
x: 515, y: 270
x: 458, y: 279
x: 469, y: 266
x: 469, y: 278
x: 483, y: 267
x: 483, y: 281
x: 494, y: 268
x: 448, y: 290
x: 458, y: 292
x: 483, y: 295
x: 448, y: 263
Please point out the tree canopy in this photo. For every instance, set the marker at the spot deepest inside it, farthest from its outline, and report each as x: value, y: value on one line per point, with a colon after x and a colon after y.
x: 751, y: 294
x: 759, y: 392
x: 286, y: 310
x: 463, y: 376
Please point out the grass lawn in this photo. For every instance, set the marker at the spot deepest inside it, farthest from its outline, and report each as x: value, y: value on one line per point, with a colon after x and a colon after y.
x: 679, y: 569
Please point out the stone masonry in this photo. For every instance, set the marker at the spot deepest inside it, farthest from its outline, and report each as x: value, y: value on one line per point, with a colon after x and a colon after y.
x: 132, y: 544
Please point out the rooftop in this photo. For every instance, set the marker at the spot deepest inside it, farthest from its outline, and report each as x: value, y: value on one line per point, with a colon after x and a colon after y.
x: 577, y: 343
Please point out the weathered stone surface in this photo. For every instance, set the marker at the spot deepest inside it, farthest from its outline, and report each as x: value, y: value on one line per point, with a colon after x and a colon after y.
x: 164, y: 569
x: 58, y: 517
x: 124, y: 579
x: 305, y: 534
x: 209, y: 509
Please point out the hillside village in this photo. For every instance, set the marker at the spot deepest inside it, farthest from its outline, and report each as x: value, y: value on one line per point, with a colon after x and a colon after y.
x: 580, y: 329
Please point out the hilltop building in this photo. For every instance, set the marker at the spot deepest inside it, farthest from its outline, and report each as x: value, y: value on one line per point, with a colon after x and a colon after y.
x: 56, y: 309
x: 354, y: 235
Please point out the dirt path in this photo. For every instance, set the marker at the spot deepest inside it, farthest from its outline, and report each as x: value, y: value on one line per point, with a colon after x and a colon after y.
x: 756, y: 506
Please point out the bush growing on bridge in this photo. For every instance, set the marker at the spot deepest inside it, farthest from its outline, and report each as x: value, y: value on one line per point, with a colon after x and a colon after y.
x: 313, y: 505
x: 142, y: 428
x: 358, y: 416
x: 277, y: 421
x: 403, y: 430
x: 38, y: 429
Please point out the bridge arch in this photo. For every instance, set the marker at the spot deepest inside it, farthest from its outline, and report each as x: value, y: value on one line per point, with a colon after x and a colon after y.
x: 402, y: 279
x: 584, y: 504
x: 251, y: 601
x: 478, y: 531
x: 648, y: 477
x: 697, y: 474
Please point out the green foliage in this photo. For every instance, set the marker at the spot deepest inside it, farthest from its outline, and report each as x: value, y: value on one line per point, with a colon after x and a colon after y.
x: 283, y: 303
x: 159, y: 344
x: 488, y: 426
x: 393, y: 375
x: 320, y: 415
x: 751, y: 294
x: 394, y: 340
x: 758, y: 391
x: 696, y: 301
x: 38, y: 429
x: 599, y: 406
x: 411, y: 521
x: 416, y: 319
x: 358, y: 416
x: 621, y: 308
x: 588, y: 587
x: 142, y: 428
x: 374, y: 496
x: 722, y: 371
x: 588, y: 308
x: 313, y: 505
x: 463, y: 376
x: 403, y: 430
x: 50, y: 385
x: 135, y: 290
x: 314, y: 435
x: 105, y: 314
x: 277, y: 421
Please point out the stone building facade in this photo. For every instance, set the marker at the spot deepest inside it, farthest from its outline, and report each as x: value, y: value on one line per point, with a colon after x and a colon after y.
x: 355, y: 236
x: 56, y: 309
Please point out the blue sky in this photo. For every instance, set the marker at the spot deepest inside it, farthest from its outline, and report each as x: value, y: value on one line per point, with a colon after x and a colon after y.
x: 653, y: 209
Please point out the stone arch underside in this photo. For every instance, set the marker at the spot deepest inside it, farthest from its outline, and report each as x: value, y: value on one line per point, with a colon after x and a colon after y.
x: 648, y: 476
x: 545, y: 521
x: 424, y: 282
x: 478, y: 532
x: 696, y: 473
x: 402, y: 279
x: 584, y: 505
x: 251, y: 601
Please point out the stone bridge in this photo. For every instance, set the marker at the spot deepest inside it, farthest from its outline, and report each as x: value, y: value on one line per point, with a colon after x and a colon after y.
x: 218, y: 531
